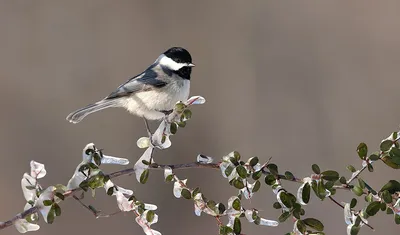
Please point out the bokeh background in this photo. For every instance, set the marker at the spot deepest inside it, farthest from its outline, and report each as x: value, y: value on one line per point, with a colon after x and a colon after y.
x: 300, y: 81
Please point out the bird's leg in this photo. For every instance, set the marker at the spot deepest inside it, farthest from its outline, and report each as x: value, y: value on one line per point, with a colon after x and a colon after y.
x: 147, y: 128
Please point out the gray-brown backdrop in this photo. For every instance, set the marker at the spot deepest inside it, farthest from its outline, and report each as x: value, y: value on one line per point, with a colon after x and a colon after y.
x: 300, y: 81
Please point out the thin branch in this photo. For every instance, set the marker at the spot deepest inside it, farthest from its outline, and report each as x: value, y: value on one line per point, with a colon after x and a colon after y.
x: 353, y: 177
x: 130, y: 171
x: 336, y: 202
x: 116, y: 174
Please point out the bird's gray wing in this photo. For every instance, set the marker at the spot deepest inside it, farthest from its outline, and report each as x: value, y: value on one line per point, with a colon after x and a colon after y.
x: 145, y: 81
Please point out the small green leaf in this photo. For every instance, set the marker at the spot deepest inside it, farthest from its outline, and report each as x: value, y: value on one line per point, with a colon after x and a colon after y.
x: 173, y: 128
x: 369, y: 198
x: 179, y: 107
x: 374, y: 157
x: 236, y: 204
x: 289, y: 175
x: 315, y: 169
x: 342, y: 180
x: 397, y: 219
x: 237, y: 227
x: 386, y: 145
x: 330, y: 175
x: 362, y: 150
x: 306, y: 193
x: 150, y: 216
x: 357, y: 190
x: 212, y: 205
x: 284, y: 216
x: 57, y: 209
x: 256, y: 175
x: 392, y: 186
x: 228, y: 171
x: 169, y: 178
x: 238, y: 183
x: 195, y: 191
x: 50, y: 216
x: 145, y: 162
x: 221, y: 208
x: 253, y: 161
x: 132, y: 198
x: 301, y: 226
x: 181, y: 124
x: 97, y: 159
x: 47, y: 202
x: 59, y: 195
x: 354, y: 230
x: 186, y: 194
x: 287, y: 199
x: 329, y: 184
x: 225, y: 230
x: 351, y: 168
x: 321, y: 190
x: 187, y: 114
x: 29, y: 187
x: 361, y: 183
x: 273, y: 168
x: 394, y: 135
x: 353, y: 203
x: 277, y: 205
x: 241, y: 171
x: 257, y: 186
x: 387, y: 197
x: 373, y: 208
x: 144, y: 176
x: 370, y: 167
x: 389, y: 211
x: 314, y: 224
x: 270, y: 179
x: 383, y: 206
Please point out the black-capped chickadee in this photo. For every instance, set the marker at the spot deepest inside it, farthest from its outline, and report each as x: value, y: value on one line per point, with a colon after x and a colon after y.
x: 151, y: 94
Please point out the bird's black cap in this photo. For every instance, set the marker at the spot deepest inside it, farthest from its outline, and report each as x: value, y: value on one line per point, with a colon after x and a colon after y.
x: 179, y: 55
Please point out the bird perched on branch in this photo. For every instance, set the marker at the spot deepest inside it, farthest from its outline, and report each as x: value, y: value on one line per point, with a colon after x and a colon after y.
x: 151, y: 94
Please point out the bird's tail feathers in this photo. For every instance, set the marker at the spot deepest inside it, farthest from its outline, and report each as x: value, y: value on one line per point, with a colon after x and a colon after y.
x: 80, y: 114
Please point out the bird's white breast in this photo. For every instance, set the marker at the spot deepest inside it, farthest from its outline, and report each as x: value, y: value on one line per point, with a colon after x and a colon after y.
x: 148, y: 103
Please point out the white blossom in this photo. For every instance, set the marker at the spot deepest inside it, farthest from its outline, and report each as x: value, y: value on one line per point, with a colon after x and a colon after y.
x: 306, y: 180
x: 266, y: 222
x: 143, y: 142
x: 199, y: 204
x: 195, y: 100
x: 37, y: 170
x: 146, y: 228
x: 162, y: 132
x: 204, y: 159
x: 140, y: 167
x: 167, y: 172
x: 123, y: 203
x: 23, y: 226
x: 178, y: 186
x: 350, y: 218
x: 248, y: 189
x: 28, y: 185
x: 47, y: 194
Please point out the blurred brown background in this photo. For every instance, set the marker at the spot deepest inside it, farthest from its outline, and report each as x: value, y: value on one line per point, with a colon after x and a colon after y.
x: 300, y: 81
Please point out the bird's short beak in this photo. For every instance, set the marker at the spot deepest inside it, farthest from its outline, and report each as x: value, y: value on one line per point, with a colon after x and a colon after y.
x: 191, y: 65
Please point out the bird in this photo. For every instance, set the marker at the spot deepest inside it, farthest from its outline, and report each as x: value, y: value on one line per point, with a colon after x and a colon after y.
x: 151, y: 94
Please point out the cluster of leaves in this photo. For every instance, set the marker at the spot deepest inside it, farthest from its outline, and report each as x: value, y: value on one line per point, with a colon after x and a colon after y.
x: 234, y: 210
x: 160, y: 138
x: 244, y: 175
